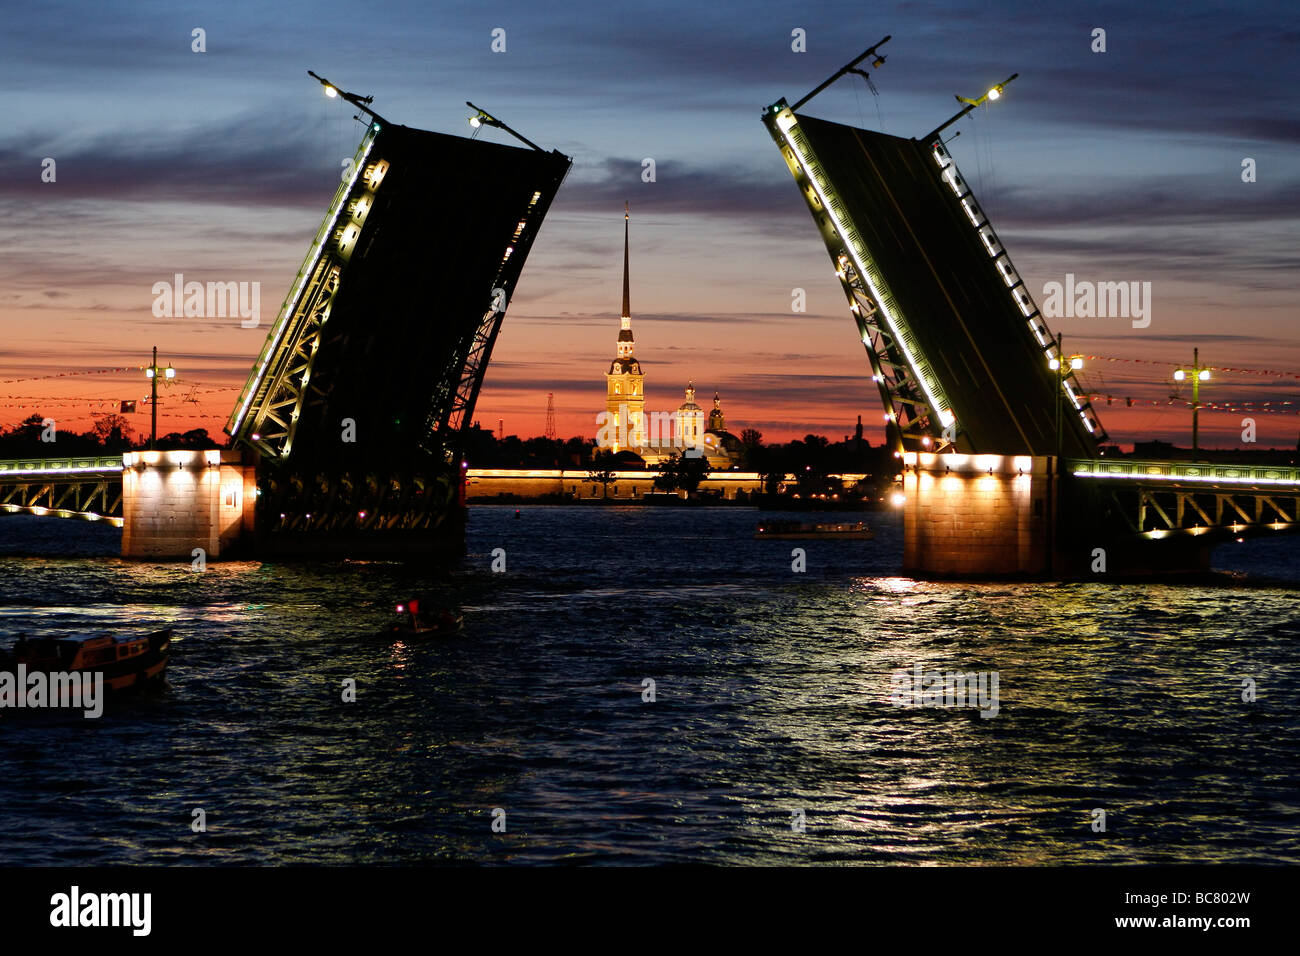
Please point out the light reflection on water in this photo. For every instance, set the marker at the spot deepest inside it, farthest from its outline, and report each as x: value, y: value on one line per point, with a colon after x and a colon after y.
x: 772, y: 695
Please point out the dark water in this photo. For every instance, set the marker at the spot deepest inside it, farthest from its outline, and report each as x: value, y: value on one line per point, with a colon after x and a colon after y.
x: 772, y: 695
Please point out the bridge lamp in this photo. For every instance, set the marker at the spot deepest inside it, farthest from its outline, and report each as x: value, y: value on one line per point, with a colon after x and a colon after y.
x: 1198, y: 375
x: 151, y: 373
x: 483, y: 118
x: 1076, y: 362
x: 994, y: 93
x: 330, y: 91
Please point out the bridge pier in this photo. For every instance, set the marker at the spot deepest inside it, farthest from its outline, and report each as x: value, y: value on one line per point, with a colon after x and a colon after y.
x: 1013, y: 516
x: 976, y: 515
x: 176, y: 501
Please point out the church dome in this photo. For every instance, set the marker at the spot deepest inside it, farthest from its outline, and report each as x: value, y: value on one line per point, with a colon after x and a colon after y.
x: 625, y: 366
x: 726, y: 441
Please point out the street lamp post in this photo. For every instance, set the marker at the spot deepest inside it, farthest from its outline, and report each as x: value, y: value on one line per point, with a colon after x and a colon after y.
x: 152, y: 374
x: 1199, y: 375
x: 1062, y: 367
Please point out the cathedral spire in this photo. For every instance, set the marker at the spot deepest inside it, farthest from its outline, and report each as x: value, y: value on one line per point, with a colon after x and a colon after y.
x: 625, y: 342
x: 627, y: 294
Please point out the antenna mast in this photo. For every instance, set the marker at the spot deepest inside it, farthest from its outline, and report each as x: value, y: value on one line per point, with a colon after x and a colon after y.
x: 550, y: 416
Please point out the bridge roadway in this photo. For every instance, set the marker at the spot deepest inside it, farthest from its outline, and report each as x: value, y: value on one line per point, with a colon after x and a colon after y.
x: 1162, y: 499
x: 81, y: 486
x: 1150, y: 499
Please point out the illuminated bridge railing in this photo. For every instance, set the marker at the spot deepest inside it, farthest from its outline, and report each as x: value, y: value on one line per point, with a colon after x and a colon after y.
x: 1190, y: 473
x: 87, y: 487
x: 1159, y: 499
x: 11, y: 469
x: 257, y: 376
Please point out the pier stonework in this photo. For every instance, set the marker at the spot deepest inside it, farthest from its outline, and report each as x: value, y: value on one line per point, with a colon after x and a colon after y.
x: 977, y: 515
x: 176, y: 501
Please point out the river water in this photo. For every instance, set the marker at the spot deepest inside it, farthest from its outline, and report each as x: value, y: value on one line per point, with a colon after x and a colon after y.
x: 772, y: 737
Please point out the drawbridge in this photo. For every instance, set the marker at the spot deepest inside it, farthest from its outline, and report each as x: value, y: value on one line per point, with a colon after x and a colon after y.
x: 353, y: 413
x: 356, y: 404
x: 968, y: 370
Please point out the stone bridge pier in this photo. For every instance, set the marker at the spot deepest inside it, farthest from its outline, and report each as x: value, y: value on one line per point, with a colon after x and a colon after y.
x: 176, y: 501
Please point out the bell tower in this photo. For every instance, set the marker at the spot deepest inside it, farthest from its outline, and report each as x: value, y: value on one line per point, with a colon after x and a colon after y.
x: 625, y: 382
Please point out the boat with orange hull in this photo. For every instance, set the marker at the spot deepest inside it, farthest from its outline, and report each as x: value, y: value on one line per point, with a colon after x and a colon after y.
x: 126, y: 663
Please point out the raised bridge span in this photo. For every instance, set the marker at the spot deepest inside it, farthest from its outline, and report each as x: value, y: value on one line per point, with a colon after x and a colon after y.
x: 1003, y: 469
x: 345, y: 440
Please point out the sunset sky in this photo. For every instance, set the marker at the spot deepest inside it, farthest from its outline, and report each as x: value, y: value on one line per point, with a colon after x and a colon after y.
x: 1116, y: 166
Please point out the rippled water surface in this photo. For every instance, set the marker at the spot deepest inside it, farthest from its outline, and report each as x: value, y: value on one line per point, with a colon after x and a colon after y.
x: 772, y: 695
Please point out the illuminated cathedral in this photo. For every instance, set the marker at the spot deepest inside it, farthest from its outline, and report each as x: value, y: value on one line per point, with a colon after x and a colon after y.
x: 626, y: 423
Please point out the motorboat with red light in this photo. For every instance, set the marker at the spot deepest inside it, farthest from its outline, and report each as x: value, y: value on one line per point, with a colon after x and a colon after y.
x: 414, y: 620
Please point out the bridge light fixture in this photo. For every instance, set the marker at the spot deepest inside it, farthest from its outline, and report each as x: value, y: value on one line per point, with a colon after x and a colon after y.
x: 330, y: 91
x: 151, y: 372
x: 1076, y: 362
x: 1198, y: 374
x: 995, y: 93
x: 1054, y: 364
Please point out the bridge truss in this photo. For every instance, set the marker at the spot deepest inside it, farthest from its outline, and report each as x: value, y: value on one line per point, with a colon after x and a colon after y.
x: 89, y: 488
x: 357, y: 404
x: 958, y: 349
x: 1158, y: 500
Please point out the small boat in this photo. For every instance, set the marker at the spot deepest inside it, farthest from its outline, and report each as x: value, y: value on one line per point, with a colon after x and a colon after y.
x: 414, y: 621
x: 798, y: 530
x: 127, y: 663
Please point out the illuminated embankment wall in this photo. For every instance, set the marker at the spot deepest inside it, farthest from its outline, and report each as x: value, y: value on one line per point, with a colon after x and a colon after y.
x: 485, y: 484
x: 976, y: 515
x: 176, y: 501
